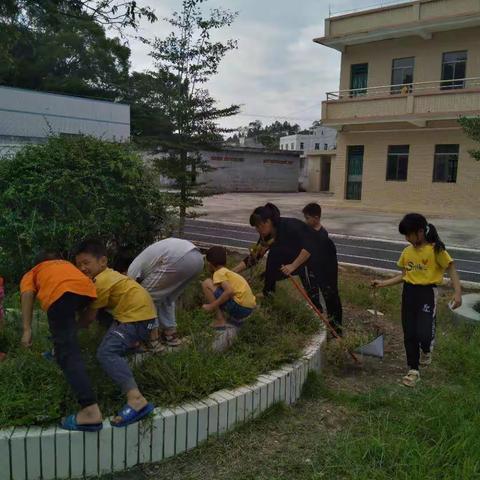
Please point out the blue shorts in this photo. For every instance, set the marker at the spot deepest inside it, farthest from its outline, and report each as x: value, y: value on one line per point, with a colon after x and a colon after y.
x: 235, y: 311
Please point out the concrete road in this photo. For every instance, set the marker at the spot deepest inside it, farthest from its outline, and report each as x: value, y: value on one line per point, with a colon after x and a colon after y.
x: 351, y: 220
x: 356, y: 251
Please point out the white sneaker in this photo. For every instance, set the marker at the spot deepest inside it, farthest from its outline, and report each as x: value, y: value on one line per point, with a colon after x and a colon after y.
x: 425, y: 358
x: 411, y: 378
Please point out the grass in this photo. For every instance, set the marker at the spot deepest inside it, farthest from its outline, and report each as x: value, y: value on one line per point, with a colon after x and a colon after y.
x: 360, y: 424
x: 275, y: 334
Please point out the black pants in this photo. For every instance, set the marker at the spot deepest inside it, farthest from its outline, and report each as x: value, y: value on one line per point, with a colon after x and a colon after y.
x: 419, y: 310
x: 63, y: 327
x: 327, y: 285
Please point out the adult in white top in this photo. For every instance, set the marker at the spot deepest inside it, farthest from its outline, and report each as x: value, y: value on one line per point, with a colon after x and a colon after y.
x: 164, y: 269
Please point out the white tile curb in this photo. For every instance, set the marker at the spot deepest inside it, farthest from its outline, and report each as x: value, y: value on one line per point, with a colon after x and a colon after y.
x: 34, y: 453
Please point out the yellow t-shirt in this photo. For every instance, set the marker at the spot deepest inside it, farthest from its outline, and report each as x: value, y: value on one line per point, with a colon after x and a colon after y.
x: 423, y: 266
x: 242, y: 293
x: 123, y: 297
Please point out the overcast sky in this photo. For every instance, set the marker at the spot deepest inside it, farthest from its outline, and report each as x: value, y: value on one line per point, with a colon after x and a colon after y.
x: 277, y: 73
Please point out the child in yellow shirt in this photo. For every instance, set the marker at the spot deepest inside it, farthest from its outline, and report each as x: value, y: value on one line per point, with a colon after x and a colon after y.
x: 226, y: 291
x: 134, y: 316
x: 423, y: 265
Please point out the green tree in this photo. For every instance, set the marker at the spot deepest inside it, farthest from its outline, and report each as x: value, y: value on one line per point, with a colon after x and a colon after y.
x: 111, y: 13
x: 55, y: 194
x: 471, y: 127
x: 67, y: 54
x: 191, y: 56
x: 147, y: 93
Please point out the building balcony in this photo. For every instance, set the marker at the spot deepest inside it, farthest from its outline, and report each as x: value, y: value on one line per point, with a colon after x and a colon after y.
x: 418, y: 18
x: 414, y: 103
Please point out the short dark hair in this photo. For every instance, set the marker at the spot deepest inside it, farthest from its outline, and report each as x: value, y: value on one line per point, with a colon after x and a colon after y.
x: 46, y: 255
x: 122, y: 261
x: 93, y: 246
x: 312, y: 210
x: 217, y: 256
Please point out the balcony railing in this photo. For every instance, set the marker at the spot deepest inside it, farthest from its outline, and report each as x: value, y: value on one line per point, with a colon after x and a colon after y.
x: 399, y: 90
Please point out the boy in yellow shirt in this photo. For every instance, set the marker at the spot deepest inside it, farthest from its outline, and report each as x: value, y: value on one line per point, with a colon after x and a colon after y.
x: 226, y: 292
x: 134, y: 317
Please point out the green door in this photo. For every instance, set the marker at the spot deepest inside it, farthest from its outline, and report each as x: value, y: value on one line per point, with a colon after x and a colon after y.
x: 354, y: 172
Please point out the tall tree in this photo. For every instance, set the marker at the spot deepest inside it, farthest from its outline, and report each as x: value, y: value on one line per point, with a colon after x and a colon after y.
x: 71, y: 54
x: 110, y: 13
x: 471, y: 127
x: 192, y: 57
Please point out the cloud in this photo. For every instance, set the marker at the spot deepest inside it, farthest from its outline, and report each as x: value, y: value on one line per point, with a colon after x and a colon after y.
x: 277, y: 71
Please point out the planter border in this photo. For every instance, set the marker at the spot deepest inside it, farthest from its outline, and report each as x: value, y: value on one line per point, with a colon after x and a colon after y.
x: 466, y: 313
x: 50, y: 453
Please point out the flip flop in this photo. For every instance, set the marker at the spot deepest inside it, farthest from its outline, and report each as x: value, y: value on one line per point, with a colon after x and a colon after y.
x: 70, y: 423
x: 129, y: 415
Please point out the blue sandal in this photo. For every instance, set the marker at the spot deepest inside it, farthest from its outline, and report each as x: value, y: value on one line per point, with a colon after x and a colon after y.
x: 70, y: 423
x: 129, y: 415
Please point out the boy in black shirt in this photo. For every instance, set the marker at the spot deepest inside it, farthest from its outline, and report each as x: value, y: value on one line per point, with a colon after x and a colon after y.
x: 327, y: 271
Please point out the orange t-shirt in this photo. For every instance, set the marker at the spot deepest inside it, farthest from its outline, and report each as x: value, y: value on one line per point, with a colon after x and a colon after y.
x: 51, y: 279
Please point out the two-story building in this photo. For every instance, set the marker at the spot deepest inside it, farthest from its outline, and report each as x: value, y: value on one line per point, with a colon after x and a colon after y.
x: 408, y: 72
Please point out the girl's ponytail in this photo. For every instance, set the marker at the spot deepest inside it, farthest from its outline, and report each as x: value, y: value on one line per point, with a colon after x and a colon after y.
x: 431, y: 235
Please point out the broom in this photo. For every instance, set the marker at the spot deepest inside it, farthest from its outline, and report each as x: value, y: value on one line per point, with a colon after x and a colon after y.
x: 322, y: 317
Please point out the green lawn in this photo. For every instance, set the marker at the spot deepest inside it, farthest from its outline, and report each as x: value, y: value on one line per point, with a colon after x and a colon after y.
x: 360, y: 423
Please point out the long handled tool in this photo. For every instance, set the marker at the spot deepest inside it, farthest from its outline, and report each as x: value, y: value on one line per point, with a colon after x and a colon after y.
x: 322, y: 317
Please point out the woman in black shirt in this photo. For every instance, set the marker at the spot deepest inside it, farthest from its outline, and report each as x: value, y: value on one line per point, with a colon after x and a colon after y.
x: 293, y: 250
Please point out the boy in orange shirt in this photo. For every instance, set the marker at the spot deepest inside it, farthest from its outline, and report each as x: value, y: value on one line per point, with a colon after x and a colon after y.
x: 63, y: 290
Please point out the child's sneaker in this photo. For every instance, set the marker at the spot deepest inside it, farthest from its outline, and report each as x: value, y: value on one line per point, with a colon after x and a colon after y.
x: 411, y: 378
x: 425, y: 358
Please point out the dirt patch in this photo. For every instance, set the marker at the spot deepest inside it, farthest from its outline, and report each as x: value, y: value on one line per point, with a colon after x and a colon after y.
x: 341, y: 373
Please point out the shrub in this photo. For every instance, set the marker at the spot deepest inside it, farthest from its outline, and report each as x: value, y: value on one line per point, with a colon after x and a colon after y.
x: 54, y: 194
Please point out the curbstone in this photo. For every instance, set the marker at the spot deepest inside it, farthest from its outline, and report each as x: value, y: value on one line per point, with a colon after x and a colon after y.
x: 90, y: 466
x: 169, y: 433
x: 17, y: 452
x: 33, y: 453
x: 105, y: 442
x: 47, y: 445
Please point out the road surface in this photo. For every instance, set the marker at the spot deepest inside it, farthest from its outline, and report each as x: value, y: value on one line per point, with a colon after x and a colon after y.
x: 356, y: 251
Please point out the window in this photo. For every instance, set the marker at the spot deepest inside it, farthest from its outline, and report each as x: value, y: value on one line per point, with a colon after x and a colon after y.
x: 358, y: 79
x: 402, y: 75
x: 302, y: 145
x: 325, y: 146
x: 317, y: 146
x: 445, y: 163
x: 286, y: 146
x: 397, y: 162
x: 292, y: 146
x: 454, y: 68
